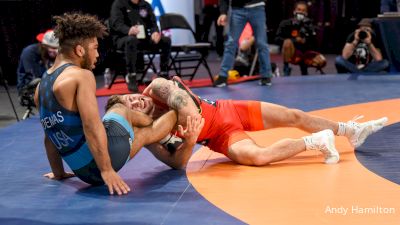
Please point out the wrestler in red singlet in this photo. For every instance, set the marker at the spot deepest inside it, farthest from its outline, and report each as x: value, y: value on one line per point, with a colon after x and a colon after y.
x: 225, y: 120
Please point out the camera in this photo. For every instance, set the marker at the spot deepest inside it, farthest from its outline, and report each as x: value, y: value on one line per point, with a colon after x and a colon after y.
x: 27, y: 94
x: 304, y: 25
x: 362, y: 34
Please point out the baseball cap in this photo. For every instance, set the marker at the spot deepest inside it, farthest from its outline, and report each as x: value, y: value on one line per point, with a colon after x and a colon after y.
x: 366, y: 22
x: 48, y: 38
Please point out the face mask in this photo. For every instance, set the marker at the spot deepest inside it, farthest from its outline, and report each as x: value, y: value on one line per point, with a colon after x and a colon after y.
x: 299, y: 16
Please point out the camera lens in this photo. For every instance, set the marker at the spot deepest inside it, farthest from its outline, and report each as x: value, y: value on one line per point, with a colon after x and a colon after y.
x: 362, y: 35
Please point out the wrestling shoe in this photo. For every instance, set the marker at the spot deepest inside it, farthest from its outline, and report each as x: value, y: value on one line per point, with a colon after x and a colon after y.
x: 287, y: 70
x: 130, y: 80
x: 220, y: 82
x: 265, y: 81
x: 323, y: 141
x: 357, y: 133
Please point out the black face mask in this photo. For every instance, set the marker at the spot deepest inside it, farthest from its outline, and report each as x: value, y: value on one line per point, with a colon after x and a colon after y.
x: 299, y: 16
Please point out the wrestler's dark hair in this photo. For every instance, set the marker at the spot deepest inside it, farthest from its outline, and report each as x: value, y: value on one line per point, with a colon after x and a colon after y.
x: 113, y: 100
x: 75, y: 28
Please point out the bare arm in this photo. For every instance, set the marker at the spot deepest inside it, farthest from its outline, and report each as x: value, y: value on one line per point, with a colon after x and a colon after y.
x: 36, y: 96
x: 348, y: 50
x: 139, y: 119
x: 376, y: 54
x: 153, y: 133
x: 55, y: 162
x: 95, y: 133
x: 166, y: 92
x: 179, y: 158
x: 349, y: 47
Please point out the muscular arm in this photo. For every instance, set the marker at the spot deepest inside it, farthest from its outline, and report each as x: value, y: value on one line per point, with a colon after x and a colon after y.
x: 376, y: 54
x: 139, y: 119
x: 348, y: 50
x: 166, y: 92
x: 55, y: 161
x: 95, y: 133
x: 351, y: 43
x: 177, y: 160
x: 153, y: 133
x: 36, y: 96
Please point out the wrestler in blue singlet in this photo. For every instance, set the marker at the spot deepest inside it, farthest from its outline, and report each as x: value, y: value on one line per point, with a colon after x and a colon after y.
x: 64, y: 129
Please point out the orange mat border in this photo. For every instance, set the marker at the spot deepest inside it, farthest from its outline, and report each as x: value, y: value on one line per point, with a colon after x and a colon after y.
x: 300, y: 190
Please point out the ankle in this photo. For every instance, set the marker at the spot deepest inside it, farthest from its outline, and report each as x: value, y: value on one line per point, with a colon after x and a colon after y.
x: 341, y: 129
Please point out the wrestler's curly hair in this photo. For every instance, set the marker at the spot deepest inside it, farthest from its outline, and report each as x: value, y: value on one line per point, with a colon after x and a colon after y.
x: 76, y: 27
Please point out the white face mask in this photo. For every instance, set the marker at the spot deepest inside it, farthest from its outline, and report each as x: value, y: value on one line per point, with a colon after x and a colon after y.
x: 299, y: 16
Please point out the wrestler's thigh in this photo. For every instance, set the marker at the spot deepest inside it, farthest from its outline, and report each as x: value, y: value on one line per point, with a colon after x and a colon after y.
x: 244, y: 151
x: 274, y: 115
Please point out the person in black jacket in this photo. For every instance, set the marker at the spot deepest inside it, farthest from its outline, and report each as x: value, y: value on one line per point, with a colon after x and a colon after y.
x: 133, y: 27
x: 297, y: 38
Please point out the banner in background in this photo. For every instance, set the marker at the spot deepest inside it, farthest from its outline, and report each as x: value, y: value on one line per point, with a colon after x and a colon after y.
x: 183, y: 7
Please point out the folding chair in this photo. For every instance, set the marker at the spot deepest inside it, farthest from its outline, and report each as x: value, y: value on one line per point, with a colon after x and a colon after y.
x: 117, y: 64
x: 114, y: 59
x: 180, y: 54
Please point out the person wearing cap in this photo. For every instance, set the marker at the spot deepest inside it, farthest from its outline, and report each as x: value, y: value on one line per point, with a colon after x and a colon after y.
x: 360, y: 53
x: 36, y: 58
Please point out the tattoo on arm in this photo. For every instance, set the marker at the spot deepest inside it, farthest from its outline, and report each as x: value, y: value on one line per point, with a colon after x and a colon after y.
x: 178, y: 100
x: 161, y: 90
x: 175, y: 98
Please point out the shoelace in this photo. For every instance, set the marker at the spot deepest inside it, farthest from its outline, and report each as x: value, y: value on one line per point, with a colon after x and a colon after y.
x: 356, y: 118
x: 353, y: 122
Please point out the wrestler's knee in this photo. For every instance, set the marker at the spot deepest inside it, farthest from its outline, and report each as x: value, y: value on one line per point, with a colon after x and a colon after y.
x: 287, y: 44
x: 247, y: 154
x: 294, y: 117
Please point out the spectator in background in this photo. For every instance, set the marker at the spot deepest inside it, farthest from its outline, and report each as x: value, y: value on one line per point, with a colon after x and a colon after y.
x: 246, y: 51
x: 297, y: 38
x: 390, y: 6
x: 36, y: 58
x: 211, y: 13
x: 360, y: 54
x: 243, y: 11
x: 245, y: 63
x: 133, y: 27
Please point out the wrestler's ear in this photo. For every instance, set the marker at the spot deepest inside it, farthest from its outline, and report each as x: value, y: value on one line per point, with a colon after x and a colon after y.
x: 80, y: 50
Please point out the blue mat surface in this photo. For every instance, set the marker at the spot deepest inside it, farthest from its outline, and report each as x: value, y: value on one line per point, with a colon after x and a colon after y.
x: 161, y: 195
x: 381, y: 153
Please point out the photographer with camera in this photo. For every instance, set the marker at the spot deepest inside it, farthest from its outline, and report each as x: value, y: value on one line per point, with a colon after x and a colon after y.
x: 35, y: 59
x: 360, y: 54
x: 297, y: 37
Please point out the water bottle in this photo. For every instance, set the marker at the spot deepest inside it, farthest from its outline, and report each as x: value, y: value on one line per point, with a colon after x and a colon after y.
x: 107, y: 77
